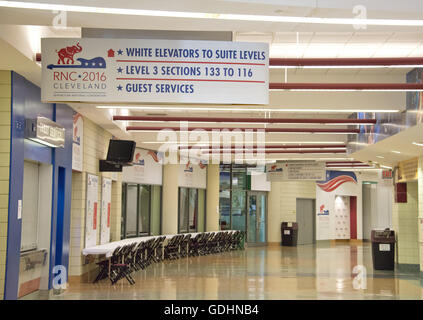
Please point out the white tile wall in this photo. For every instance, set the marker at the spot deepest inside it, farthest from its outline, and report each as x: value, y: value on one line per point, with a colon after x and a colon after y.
x: 96, y: 141
x: 283, y: 204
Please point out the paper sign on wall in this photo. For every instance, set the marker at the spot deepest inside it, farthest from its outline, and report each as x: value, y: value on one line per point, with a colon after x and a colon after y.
x: 78, y: 140
x: 106, y: 199
x: 164, y: 71
x: 91, y: 211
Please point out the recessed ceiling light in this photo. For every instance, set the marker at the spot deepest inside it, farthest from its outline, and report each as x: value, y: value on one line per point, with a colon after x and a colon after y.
x: 380, y: 157
x: 420, y: 144
x: 394, y: 151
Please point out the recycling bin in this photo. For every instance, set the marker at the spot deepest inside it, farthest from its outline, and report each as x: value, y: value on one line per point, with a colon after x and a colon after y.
x: 289, y: 232
x: 383, y: 249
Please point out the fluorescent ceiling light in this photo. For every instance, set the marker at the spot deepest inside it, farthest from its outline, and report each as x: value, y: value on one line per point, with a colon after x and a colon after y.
x: 246, y: 109
x: 420, y: 144
x: 203, y: 15
x: 394, y: 151
x: 386, y: 167
x: 380, y: 157
x: 254, y: 142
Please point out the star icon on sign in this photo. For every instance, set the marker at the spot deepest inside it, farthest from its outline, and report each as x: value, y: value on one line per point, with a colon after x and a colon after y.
x: 119, y: 69
x: 119, y: 87
x: 120, y: 52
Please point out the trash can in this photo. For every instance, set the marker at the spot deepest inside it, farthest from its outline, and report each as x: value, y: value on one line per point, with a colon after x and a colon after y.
x: 289, y: 231
x: 383, y: 249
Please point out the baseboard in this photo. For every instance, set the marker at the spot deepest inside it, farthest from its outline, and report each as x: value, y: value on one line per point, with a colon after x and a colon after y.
x: 408, y: 267
x: 346, y: 241
x: 274, y: 244
x: 86, y: 277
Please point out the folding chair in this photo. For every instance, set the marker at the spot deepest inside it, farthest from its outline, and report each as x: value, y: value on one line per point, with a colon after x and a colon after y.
x: 193, y: 245
x: 184, y: 246
x: 104, y: 267
x: 119, y: 268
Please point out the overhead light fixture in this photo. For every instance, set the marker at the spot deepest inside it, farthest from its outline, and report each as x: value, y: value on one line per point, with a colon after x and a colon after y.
x: 247, y: 109
x: 254, y: 142
x: 204, y: 15
x: 380, y: 157
x: 420, y: 144
x: 394, y: 151
x: 346, y: 63
x: 316, y: 86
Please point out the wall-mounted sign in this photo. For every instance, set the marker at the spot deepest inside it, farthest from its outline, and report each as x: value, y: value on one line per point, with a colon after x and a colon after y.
x: 296, y: 170
x: 334, y: 179
x: 45, y: 131
x: 106, y: 202
x: 91, y: 211
x: 407, y: 170
x: 193, y: 175
x: 78, y: 142
x: 164, y: 71
x: 146, y: 168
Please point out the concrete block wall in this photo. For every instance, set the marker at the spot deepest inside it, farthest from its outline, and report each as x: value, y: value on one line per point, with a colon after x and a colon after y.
x: 5, y: 103
x: 95, y: 145
x: 405, y: 224
x: 283, y: 204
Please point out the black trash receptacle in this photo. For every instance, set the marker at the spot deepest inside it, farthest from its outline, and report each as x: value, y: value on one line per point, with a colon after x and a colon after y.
x: 383, y: 249
x: 289, y: 231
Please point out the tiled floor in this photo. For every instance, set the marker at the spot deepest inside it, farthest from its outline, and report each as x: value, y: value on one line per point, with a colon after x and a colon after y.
x: 303, y: 272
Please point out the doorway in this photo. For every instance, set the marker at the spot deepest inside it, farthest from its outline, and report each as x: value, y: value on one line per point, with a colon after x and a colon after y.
x: 306, y: 221
x: 256, y: 218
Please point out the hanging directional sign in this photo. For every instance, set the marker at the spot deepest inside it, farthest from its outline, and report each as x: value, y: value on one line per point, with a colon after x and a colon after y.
x: 166, y: 71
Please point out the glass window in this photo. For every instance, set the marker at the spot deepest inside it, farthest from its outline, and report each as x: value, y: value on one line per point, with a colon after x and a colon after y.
x: 144, y: 210
x: 233, y: 197
x: 192, y: 208
x: 141, y: 210
x: 183, y: 210
x: 131, y: 210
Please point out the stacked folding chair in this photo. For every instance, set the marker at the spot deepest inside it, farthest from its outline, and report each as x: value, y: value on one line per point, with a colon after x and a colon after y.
x: 184, y: 250
x: 120, y: 266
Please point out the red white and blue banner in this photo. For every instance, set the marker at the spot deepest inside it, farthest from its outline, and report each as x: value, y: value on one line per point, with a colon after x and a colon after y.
x: 146, y: 168
x: 162, y: 71
x: 334, y: 179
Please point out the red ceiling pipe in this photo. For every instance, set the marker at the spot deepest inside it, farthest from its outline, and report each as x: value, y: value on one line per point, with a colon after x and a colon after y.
x: 299, y: 62
x: 252, y: 120
x: 294, y: 146
x: 352, y: 165
x: 284, y: 151
x: 344, y: 162
x: 345, y: 86
x: 280, y: 130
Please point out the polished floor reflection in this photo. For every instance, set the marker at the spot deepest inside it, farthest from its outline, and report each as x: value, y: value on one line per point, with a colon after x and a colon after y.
x: 339, y: 271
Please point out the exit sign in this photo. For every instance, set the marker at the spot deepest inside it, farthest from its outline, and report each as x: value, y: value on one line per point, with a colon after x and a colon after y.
x: 387, y: 174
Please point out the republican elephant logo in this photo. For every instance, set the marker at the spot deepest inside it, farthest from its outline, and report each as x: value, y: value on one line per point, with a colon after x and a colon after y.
x: 66, y: 54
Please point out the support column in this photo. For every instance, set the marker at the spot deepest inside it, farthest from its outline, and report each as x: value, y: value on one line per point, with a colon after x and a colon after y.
x: 170, y: 200
x: 212, y: 197
x: 420, y: 213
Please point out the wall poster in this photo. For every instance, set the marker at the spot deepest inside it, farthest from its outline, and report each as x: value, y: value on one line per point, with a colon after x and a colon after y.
x: 91, y: 211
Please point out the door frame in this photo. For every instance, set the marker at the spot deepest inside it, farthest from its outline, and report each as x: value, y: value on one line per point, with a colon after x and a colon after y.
x: 313, y: 215
x: 257, y: 194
